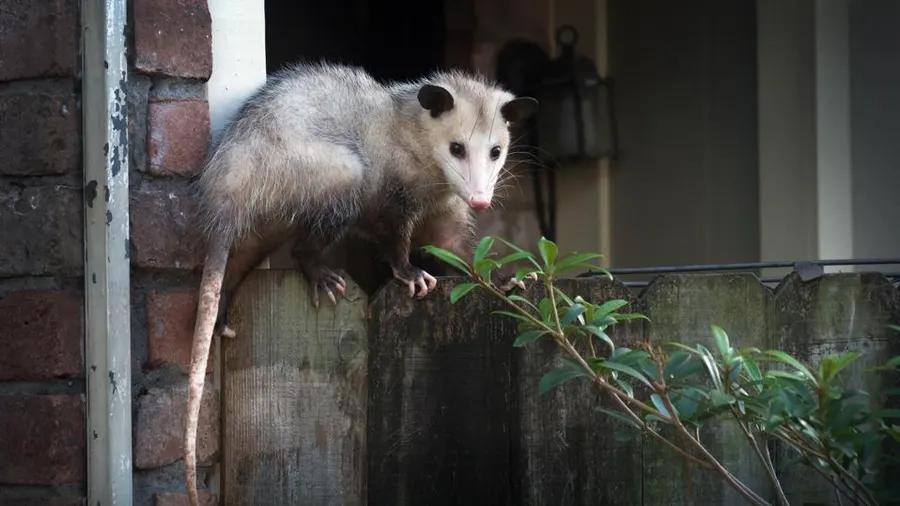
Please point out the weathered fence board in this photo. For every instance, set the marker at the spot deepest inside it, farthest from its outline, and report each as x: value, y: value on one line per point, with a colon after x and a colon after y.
x: 294, y: 391
x: 682, y: 308
x: 566, y: 451
x: 439, y: 404
x: 426, y: 402
x: 838, y: 313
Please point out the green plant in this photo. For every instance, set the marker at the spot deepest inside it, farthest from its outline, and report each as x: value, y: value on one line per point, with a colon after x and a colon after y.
x: 829, y: 428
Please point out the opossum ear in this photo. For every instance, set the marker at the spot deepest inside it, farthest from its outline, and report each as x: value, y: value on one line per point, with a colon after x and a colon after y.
x: 435, y: 99
x: 519, y: 109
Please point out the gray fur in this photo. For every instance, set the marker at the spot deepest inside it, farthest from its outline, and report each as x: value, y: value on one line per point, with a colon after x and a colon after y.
x: 311, y: 111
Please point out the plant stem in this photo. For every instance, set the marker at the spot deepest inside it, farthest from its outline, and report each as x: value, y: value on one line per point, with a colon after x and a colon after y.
x: 767, y: 463
x: 791, y: 436
x: 742, y: 489
x: 656, y: 435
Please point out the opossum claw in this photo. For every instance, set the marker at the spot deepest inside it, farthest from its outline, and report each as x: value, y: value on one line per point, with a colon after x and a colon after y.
x: 324, y: 279
x: 416, y: 278
x: 228, y: 332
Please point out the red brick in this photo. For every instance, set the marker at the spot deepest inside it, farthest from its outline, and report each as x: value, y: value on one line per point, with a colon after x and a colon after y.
x: 173, y: 37
x: 159, y: 427
x: 39, y: 134
x: 163, y: 228
x: 174, y: 499
x: 170, y: 324
x: 177, y: 136
x: 38, y: 39
x: 42, y: 440
x: 42, y: 229
x: 40, y: 335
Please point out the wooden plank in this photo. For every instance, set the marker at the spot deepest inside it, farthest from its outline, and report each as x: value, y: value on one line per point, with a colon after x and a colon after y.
x: 564, y: 451
x: 682, y: 308
x: 837, y: 313
x: 294, y: 395
x: 439, y: 403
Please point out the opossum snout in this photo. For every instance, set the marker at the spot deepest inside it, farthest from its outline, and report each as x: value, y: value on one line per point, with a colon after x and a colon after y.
x: 479, y: 201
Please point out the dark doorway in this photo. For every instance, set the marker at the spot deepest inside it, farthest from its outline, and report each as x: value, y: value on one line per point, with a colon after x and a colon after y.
x: 392, y: 39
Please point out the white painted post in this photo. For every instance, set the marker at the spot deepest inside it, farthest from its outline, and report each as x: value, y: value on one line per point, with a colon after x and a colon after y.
x: 107, y: 284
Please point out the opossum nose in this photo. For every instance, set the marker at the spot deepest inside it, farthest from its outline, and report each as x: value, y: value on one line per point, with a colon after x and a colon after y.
x: 479, y: 201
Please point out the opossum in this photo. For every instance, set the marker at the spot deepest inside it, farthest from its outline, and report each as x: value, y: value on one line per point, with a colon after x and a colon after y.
x: 322, y: 150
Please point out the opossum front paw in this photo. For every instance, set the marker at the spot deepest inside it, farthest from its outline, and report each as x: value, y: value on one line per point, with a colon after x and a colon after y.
x: 225, y: 331
x: 415, y: 278
x: 506, y: 284
x: 326, y: 280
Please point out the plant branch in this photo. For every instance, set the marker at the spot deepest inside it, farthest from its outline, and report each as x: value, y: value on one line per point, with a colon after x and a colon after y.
x: 767, y: 463
x: 742, y: 489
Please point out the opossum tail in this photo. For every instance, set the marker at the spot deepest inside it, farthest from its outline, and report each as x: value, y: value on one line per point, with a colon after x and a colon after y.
x: 207, y: 312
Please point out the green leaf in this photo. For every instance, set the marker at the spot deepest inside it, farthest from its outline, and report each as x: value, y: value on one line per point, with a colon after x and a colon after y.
x: 610, y: 306
x: 793, y: 362
x: 710, y: 364
x: 548, y: 251
x: 448, y: 257
x: 575, y: 260
x: 514, y: 257
x: 887, y: 413
x: 574, y: 312
x: 721, y: 341
x: 527, y: 337
x: 718, y: 398
x: 460, y: 290
x: 484, y: 267
x: 546, y: 306
x: 604, y: 321
x: 528, y: 256
x: 829, y: 367
x: 522, y: 300
x: 624, y: 317
x: 625, y: 388
x: 560, y: 376
x: 602, y: 335
x: 481, y: 250
x: 625, y: 369
x: 660, y: 405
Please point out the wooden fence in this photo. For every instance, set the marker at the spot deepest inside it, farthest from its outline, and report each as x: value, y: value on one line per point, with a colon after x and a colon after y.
x: 404, y: 402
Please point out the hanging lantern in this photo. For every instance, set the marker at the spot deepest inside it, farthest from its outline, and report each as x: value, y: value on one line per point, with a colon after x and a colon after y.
x: 575, y: 121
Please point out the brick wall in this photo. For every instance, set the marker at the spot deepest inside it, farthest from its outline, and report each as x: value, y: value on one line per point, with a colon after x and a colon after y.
x: 42, y: 430
x: 170, y: 55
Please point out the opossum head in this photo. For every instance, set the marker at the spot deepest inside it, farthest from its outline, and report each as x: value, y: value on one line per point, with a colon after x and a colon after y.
x: 467, y: 128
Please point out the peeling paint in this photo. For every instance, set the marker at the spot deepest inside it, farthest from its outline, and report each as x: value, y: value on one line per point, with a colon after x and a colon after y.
x: 108, y: 217
x: 112, y: 382
x: 106, y: 193
x: 90, y: 192
x: 127, y: 248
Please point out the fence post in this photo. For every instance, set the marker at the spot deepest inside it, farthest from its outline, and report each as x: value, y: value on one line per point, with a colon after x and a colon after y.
x: 837, y: 313
x: 682, y: 308
x: 294, y: 395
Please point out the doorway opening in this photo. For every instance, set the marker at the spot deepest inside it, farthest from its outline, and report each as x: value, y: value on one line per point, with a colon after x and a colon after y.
x: 392, y: 39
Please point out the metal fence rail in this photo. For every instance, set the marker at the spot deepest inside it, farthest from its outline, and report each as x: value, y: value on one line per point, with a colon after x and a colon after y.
x: 807, y: 269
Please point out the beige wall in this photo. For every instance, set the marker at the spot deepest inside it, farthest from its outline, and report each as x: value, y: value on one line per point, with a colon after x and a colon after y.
x: 685, y: 189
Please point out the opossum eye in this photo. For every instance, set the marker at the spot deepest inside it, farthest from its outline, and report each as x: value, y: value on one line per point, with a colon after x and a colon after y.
x: 457, y: 150
x: 495, y: 152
